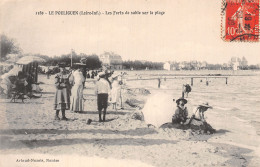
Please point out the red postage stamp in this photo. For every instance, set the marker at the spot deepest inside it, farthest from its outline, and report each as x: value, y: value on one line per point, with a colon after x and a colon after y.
x: 240, y: 20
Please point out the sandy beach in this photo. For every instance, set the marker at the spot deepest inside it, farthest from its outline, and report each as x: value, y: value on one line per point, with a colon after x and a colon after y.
x: 28, y: 130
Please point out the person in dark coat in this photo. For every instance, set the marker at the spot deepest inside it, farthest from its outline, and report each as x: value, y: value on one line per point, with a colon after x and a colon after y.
x: 62, y: 95
x: 186, y: 89
x: 21, y: 83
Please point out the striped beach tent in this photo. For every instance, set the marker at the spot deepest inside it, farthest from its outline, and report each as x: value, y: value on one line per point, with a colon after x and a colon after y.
x: 29, y: 65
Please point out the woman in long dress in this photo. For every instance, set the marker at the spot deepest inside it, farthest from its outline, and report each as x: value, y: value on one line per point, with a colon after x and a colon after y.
x: 115, y: 92
x: 62, y: 95
x: 77, y: 100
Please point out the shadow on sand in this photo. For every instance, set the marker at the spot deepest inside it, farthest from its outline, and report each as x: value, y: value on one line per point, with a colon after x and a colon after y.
x: 131, y: 132
x: 94, y: 141
x: 108, y: 112
x: 222, y: 131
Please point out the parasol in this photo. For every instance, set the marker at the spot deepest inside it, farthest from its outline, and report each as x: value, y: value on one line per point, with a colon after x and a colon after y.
x: 159, y: 109
x: 29, y: 59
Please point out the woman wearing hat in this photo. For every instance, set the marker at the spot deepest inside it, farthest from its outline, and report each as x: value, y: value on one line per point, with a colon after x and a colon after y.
x: 181, y: 113
x: 62, y: 95
x: 115, y: 91
x: 77, y: 100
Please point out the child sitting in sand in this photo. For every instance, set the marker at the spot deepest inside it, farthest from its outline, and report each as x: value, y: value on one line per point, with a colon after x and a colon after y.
x: 199, y: 112
x: 181, y: 113
x: 198, y: 115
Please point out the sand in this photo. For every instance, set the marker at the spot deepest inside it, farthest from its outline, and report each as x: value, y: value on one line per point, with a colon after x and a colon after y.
x: 29, y: 131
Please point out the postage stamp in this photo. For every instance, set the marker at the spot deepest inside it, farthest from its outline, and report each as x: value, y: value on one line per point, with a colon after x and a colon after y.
x: 240, y: 20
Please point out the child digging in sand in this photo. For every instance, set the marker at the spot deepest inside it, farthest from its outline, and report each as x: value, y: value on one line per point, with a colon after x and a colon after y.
x: 198, y: 115
x: 199, y: 112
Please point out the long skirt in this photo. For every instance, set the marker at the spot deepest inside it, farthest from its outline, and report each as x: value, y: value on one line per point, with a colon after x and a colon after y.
x: 62, y: 99
x: 77, y: 103
x: 114, y: 95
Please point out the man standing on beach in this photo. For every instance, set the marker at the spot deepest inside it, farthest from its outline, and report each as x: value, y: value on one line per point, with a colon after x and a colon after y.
x: 102, y: 91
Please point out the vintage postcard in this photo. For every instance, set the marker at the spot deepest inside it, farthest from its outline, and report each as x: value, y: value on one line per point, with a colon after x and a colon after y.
x: 120, y: 83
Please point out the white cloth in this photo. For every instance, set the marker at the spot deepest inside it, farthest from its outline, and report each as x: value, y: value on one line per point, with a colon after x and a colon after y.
x: 36, y: 88
x: 77, y: 103
x: 115, y: 91
x: 78, y: 78
x: 197, y: 114
x: 6, y: 83
x: 102, y: 86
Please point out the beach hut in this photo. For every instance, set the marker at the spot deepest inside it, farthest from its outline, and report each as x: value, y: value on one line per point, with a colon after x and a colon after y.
x: 167, y: 66
x: 29, y: 65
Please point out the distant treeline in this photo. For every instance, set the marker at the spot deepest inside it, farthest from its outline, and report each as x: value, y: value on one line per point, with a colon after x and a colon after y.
x: 222, y: 67
x: 139, y: 65
x: 92, y: 61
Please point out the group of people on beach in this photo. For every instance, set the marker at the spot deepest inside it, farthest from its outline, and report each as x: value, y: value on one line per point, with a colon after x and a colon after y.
x: 69, y: 91
x: 181, y: 116
x: 69, y: 95
x: 181, y: 113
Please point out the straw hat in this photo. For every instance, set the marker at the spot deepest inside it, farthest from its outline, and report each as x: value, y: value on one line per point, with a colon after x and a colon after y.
x: 181, y: 99
x: 206, y: 104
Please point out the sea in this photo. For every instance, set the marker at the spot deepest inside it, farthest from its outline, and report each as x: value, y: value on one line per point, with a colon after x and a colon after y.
x: 233, y: 93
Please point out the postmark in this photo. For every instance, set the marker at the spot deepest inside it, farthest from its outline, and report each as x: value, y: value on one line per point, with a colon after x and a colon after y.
x: 240, y: 20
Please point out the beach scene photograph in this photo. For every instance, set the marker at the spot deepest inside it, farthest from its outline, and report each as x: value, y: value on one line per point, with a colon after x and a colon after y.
x: 128, y: 83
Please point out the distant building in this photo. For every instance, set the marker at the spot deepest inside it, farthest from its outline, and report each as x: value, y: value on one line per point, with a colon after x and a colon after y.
x: 167, y: 66
x: 244, y: 62
x: 235, y: 66
x: 111, y: 61
x: 235, y: 62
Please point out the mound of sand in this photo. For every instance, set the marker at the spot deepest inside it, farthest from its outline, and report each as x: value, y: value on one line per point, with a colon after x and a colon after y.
x: 138, y: 91
x: 134, y: 103
x: 135, y: 97
x: 196, y: 126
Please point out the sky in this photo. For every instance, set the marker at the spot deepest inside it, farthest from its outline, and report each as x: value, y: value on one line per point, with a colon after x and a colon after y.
x: 188, y: 30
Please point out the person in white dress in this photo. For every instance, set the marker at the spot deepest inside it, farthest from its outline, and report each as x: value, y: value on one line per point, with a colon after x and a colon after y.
x: 115, y: 92
x: 77, y: 100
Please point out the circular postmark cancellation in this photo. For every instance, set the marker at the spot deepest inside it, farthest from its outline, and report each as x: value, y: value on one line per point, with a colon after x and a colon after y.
x: 240, y: 20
